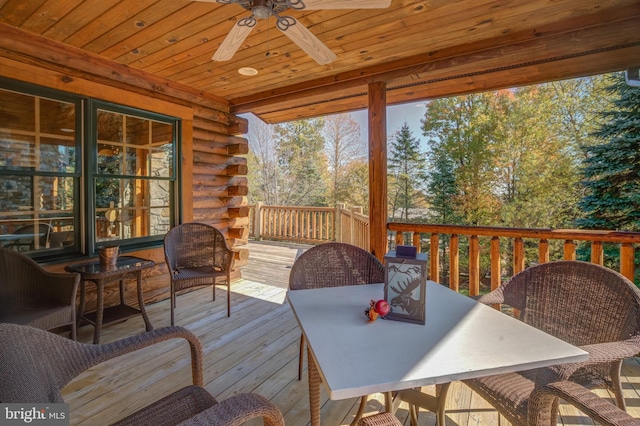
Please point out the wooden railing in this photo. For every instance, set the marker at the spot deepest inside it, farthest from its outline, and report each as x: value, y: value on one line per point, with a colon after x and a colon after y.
x: 354, y: 226
x: 496, y: 238
x: 294, y: 223
x: 309, y: 224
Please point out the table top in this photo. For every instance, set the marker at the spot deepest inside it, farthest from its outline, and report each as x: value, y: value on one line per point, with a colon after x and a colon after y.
x: 461, y: 339
x: 124, y: 264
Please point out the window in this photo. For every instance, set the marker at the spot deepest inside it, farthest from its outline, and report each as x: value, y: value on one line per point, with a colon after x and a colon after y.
x: 68, y: 191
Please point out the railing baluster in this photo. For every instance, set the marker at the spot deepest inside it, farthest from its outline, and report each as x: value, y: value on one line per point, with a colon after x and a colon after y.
x: 597, y: 252
x: 434, y: 257
x: 474, y: 265
x: 543, y: 251
x: 569, y: 250
x: 399, y: 238
x: 518, y: 255
x: 416, y: 241
x: 315, y: 224
x: 454, y: 262
x: 627, y: 258
x: 496, y: 271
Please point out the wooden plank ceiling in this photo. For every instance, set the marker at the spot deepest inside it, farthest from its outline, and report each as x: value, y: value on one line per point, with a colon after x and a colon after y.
x: 420, y: 49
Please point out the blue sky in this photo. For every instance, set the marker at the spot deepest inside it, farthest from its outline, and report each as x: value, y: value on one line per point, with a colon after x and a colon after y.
x: 412, y: 113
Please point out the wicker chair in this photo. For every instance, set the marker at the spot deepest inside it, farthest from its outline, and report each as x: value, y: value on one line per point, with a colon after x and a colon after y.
x: 28, y: 243
x: 598, y: 409
x: 37, y: 365
x: 197, y: 255
x: 334, y: 265
x: 30, y: 295
x: 585, y: 304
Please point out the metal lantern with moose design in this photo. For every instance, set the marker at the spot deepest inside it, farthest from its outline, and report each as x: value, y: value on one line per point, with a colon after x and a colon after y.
x: 405, y: 285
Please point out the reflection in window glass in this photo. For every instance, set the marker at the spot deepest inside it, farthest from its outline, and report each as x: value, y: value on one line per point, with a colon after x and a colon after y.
x: 38, y: 178
x: 48, y: 194
x: 133, y: 195
x: 42, y: 204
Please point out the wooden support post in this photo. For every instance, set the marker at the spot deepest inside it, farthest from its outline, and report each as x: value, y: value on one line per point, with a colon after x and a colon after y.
x: 378, y: 169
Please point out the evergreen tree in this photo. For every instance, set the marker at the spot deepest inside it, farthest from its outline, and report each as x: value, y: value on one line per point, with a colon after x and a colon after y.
x: 406, y: 165
x: 612, y: 168
x: 441, y: 189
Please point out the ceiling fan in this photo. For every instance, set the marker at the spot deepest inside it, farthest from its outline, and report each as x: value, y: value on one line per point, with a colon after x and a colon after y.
x: 292, y: 28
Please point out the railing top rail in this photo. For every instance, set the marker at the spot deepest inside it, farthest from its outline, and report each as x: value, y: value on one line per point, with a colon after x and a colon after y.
x: 355, y: 215
x: 494, y: 231
x: 322, y: 209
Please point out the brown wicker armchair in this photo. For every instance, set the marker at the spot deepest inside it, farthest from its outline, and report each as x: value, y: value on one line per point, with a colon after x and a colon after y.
x: 197, y: 255
x: 585, y: 304
x: 334, y: 265
x: 37, y: 365
x: 30, y: 295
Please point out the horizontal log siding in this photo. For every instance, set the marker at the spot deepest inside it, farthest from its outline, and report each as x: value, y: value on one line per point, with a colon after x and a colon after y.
x: 215, y: 171
x: 568, y: 237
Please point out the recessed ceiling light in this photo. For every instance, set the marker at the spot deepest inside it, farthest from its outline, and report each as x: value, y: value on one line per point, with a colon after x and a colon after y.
x: 248, y: 71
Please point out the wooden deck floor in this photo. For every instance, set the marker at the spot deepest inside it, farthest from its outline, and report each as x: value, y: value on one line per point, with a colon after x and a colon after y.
x: 253, y: 351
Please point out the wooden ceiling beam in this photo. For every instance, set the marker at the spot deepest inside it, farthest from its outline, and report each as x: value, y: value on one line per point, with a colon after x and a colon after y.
x: 619, y: 25
x: 31, y: 48
x: 457, y: 85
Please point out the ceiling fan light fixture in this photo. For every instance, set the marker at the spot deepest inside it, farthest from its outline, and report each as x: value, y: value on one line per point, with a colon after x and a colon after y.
x: 261, y: 11
x: 248, y: 71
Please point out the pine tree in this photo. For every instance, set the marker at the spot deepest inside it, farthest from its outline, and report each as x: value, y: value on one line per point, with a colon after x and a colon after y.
x: 406, y: 165
x: 612, y: 168
x: 441, y: 188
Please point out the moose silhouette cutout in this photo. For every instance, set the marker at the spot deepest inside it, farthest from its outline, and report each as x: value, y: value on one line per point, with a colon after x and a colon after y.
x: 403, y: 280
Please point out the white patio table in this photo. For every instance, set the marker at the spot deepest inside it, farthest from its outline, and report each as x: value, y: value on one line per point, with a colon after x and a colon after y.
x: 460, y: 339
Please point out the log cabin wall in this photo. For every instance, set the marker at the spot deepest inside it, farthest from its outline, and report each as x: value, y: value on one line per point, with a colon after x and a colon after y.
x: 213, y: 169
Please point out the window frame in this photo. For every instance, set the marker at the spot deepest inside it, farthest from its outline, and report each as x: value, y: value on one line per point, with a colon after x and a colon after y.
x: 85, y: 142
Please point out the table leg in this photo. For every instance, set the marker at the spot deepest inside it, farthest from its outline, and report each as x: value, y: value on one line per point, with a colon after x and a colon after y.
x: 143, y: 311
x: 416, y: 398
x: 99, y: 311
x: 122, y: 291
x: 441, y: 394
x: 314, y: 389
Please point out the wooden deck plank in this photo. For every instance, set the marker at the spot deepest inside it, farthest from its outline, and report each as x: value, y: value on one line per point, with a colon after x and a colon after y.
x: 255, y: 350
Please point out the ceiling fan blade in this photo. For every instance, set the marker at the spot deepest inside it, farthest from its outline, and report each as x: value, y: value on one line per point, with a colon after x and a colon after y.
x: 233, y: 40
x: 300, y: 35
x: 345, y: 4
